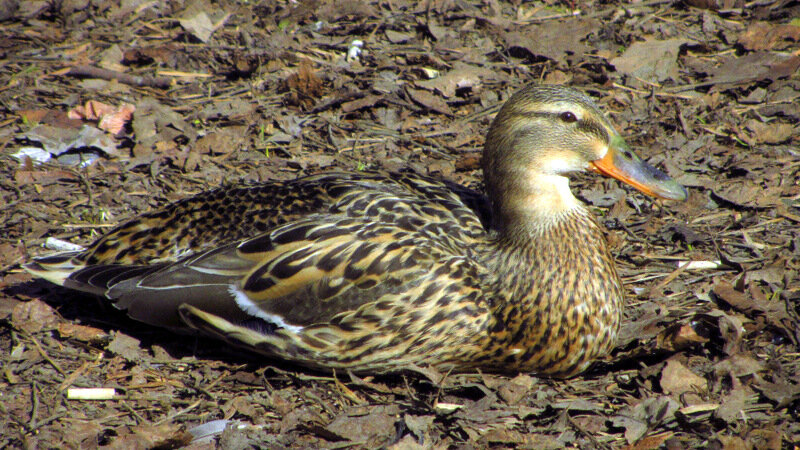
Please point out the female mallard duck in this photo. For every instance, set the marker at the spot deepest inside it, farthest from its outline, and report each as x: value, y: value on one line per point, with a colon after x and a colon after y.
x: 373, y: 272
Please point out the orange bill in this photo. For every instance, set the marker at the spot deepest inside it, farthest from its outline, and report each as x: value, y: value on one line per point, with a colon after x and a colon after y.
x: 621, y: 163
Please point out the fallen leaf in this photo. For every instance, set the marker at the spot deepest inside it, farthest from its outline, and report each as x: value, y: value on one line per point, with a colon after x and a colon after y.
x: 240, y: 405
x: 33, y: 316
x: 782, y: 393
x: 680, y: 336
x: 754, y: 302
x: 111, y: 58
x: 729, y: 443
x: 514, y: 439
x: 146, y: 435
x: 154, y: 122
x: 398, y: 37
x: 198, y: 24
x: 677, y: 379
x: 462, y: 76
x: 747, y: 193
x: 419, y: 425
x: 771, y: 274
x: 716, y: 5
x: 43, y: 177
x: 770, y: 133
x: 603, y: 198
x: 406, y: 443
x: 651, y: 60
x: 53, y: 117
x: 125, y: 346
x: 765, y: 438
x: 738, y: 365
x: 755, y: 66
x: 516, y: 389
x: 110, y: 118
x: 734, y: 403
x: 222, y: 141
x: 162, y: 55
x: 652, y: 442
x: 58, y: 140
x: 430, y: 101
x: 769, y: 36
x: 553, y: 39
x: 377, y: 426
x: 82, y: 333
x: 368, y: 101
x: 637, y: 419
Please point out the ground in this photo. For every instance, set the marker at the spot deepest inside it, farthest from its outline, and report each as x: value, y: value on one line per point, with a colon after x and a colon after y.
x: 188, y: 95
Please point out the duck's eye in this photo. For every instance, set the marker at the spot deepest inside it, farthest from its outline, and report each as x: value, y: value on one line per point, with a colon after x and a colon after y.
x: 568, y: 117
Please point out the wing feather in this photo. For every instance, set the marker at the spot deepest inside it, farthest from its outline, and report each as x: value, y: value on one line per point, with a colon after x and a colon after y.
x: 347, y: 247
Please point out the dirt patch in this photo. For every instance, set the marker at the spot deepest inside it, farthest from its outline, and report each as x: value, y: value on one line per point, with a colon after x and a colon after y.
x: 138, y: 103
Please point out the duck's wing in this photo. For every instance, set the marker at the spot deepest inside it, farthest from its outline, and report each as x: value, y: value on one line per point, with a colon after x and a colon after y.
x: 215, y: 218
x: 376, y: 239
x: 323, y: 291
x: 326, y: 293
x: 234, y: 213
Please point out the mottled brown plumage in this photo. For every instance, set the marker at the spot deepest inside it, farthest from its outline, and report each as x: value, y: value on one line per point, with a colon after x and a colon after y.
x: 372, y: 272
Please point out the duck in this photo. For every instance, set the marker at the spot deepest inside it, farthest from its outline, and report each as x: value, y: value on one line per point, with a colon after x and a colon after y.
x: 374, y: 272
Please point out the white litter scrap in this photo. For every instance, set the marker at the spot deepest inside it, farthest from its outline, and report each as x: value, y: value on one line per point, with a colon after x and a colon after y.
x: 700, y: 265
x: 36, y: 154
x: 56, y: 142
x: 59, y: 245
x: 355, y: 49
x: 91, y: 393
x: 430, y: 73
x: 446, y: 408
x: 206, y: 432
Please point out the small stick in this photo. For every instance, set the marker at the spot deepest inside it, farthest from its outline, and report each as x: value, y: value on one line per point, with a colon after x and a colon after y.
x: 105, y: 74
x: 44, y: 354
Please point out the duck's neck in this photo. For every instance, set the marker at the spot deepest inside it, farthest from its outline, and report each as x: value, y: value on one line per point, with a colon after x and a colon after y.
x: 533, y: 207
x: 560, y: 299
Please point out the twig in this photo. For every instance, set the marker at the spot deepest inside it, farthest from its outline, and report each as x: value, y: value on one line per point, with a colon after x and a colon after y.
x: 662, y: 93
x: 34, y: 406
x: 668, y: 279
x: 136, y: 415
x: 44, y: 354
x: 178, y: 413
x: 581, y: 430
x: 105, y: 74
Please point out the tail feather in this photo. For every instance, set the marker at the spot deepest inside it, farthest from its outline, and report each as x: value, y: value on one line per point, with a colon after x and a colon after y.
x: 148, y: 293
x: 196, y: 293
x: 55, y: 268
x: 99, y: 280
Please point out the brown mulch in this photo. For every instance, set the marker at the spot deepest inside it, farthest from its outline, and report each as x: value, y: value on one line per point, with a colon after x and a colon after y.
x: 139, y: 103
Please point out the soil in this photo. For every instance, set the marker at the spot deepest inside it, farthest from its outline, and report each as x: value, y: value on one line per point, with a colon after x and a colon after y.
x: 138, y: 103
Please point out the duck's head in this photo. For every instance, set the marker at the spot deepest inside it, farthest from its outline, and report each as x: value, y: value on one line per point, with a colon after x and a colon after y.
x: 542, y: 134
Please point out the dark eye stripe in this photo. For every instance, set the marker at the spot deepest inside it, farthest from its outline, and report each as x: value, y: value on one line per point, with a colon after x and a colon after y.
x: 586, y: 125
x: 592, y: 127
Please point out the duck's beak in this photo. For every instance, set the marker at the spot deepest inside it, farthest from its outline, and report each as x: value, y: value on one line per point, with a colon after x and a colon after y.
x: 621, y: 163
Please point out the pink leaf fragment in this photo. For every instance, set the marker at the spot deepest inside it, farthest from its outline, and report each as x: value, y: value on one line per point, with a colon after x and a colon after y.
x: 111, y: 119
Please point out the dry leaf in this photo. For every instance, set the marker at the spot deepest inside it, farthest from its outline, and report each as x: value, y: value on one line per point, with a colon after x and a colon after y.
x: 81, y: 332
x: 430, y: 101
x: 769, y: 36
x: 125, y: 346
x: 34, y: 316
x: 677, y: 379
x: 770, y: 133
x: 651, y: 60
